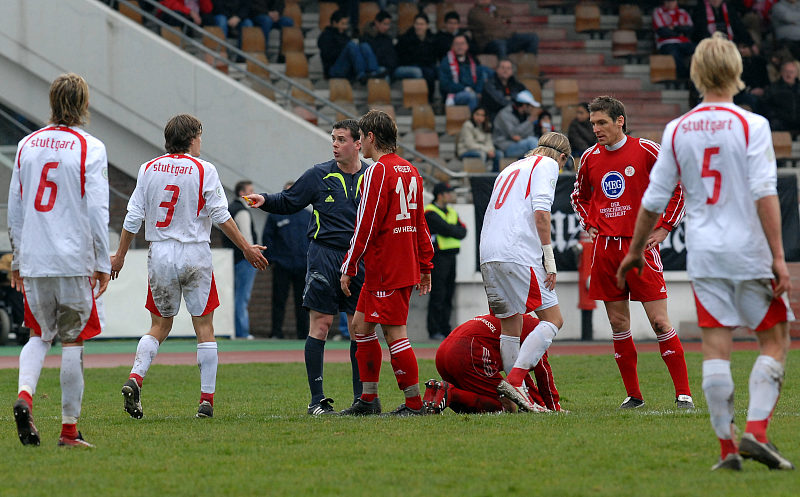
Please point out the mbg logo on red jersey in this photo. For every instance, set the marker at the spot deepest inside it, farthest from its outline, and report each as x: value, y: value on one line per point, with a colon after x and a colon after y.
x: 613, y: 184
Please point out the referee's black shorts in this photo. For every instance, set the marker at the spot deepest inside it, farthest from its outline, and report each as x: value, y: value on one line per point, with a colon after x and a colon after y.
x: 323, y: 293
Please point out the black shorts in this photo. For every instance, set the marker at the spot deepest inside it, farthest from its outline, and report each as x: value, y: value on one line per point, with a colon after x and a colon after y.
x: 323, y: 293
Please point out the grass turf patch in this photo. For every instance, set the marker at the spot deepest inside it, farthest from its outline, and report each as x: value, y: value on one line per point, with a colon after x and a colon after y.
x: 262, y: 442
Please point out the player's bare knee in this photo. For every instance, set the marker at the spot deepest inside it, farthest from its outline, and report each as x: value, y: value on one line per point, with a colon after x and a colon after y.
x: 619, y: 323
x: 319, y: 325
x: 661, y: 325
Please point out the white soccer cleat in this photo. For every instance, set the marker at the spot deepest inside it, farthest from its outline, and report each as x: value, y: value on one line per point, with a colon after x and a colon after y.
x: 519, y: 396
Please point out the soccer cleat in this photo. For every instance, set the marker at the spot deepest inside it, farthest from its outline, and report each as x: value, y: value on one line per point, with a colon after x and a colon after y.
x: 322, y: 407
x: 133, y: 406
x: 732, y: 461
x: 436, y: 396
x: 362, y: 408
x: 519, y: 396
x: 683, y: 402
x: 631, y: 403
x: 74, y: 442
x: 28, y: 434
x: 765, y: 453
x: 403, y: 411
x: 205, y: 410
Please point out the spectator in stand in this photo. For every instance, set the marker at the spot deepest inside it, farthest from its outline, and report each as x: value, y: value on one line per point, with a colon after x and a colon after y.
x: 501, y: 88
x: 513, y: 126
x: 475, y: 139
x: 343, y: 58
x: 776, y: 60
x: 580, y: 134
x: 543, y: 124
x: 461, y: 77
x: 230, y: 16
x: 194, y: 11
x: 416, y: 51
x: 376, y: 35
x: 710, y: 16
x: 673, y: 27
x: 266, y: 14
x: 782, y: 100
x: 489, y: 25
x: 755, y: 78
x: 444, y: 38
x: 786, y: 24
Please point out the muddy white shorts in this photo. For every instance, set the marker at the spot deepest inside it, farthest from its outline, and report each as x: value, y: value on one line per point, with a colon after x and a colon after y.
x: 174, y: 269
x: 63, y: 306
x: 516, y: 289
x: 728, y: 303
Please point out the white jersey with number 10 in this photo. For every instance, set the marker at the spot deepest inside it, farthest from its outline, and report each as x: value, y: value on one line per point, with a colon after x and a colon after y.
x: 723, y: 156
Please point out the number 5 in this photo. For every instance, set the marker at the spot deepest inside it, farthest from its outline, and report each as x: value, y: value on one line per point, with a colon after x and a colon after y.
x: 711, y: 173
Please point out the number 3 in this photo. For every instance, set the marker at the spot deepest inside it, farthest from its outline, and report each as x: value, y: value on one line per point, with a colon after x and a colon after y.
x: 169, y: 205
x: 711, y: 173
x: 406, y: 202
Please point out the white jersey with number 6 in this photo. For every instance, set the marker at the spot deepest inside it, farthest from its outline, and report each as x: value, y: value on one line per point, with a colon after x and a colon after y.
x: 177, y: 196
x: 58, y: 204
x: 509, y: 229
x: 723, y: 156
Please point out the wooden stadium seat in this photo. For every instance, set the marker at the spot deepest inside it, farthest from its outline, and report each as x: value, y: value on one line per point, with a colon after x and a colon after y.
x: 263, y: 90
x: 587, y: 18
x: 527, y: 65
x: 533, y: 86
x: 624, y: 43
x: 256, y: 69
x: 406, y: 12
x: 566, y: 92
x: 473, y: 165
x: 171, y: 35
x: 782, y: 142
x: 131, y: 14
x: 211, y: 43
x: 378, y: 91
x: 349, y: 107
x: 366, y: 13
x: 325, y: 11
x: 630, y: 17
x: 253, y: 40
x: 654, y: 136
x: 415, y: 92
x: 427, y: 143
x: 341, y: 91
x: 292, y: 39
x: 442, y: 9
x: 387, y: 108
x: 489, y: 60
x: 301, y: 95
x: 507, y: 161
x: 296, y: 65
x: 456, y: 115
x: 305, y: 114
x: 662, y: 68
x: 567, y: 115
x: 292, y: 11
x: 422, y: 118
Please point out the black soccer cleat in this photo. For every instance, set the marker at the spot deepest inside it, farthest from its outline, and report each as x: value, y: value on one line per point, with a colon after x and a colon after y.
x: 321, y: 408
x: 732, y: 461
x: 131, y: 392
x: 28, y: 434
x: 404, y: 411
x: 765, y: 453
x: 205, y: 410
x: 362, y: 408
x: 631, y: 403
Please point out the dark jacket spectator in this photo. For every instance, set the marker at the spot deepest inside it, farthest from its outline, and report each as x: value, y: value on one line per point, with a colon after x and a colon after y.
x: 490, y: 26
x: 262, y: 7
x: 782, y: 100
x: 710, y: 16
x: 444, y: 37
x: 461, y: 77
x: 415, y: 51
x: 331, y: 43
x: 580, y: 132
x: 376, y: 34
x: 501, y: 88
x: 232, y: 8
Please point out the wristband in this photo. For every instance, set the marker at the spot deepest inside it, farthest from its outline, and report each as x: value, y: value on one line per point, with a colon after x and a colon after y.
x: 549, y: 259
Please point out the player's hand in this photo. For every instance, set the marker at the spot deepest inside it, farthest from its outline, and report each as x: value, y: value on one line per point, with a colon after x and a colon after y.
x: 629, y: 262
x: 117, y: 261
x: 783, y: 282
x: 16, y: 281
x: 424, y: 285
x: 550, y: 281
x: 102, y: 279
x: 656, y: 237
x: 592, y: 232
x: 254, y: 200
x: 254, y: 255
x: 344, y: 282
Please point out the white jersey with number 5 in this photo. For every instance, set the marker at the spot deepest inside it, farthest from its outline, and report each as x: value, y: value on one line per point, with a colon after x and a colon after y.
x: 177, y: 196
x: 723, y: 156
x: 58, y: 204
x: 509, y: 229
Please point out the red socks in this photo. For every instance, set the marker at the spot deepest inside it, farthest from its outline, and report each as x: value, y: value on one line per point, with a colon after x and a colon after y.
x: 758, y: 429
x: 727, y: 447
x: 207, y: 396
x: 27, y: 398
x: 672, y: 354
x: 625, y: 354
x: 516, y: 377
x: 69, y: 431
x: 138, y: 379
x: 406, y: 370
x: 369, y: 357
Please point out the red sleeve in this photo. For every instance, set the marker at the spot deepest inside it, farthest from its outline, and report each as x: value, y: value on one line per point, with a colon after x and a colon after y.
x: 370, y: 213
x: 424, y: 244
x: 675, y: 210
x: 581, y: 197
x: 176, y: 5
x: 206, y: 6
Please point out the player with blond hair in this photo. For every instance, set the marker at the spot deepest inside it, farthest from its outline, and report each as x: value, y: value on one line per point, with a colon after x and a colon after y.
x: 723, y: 156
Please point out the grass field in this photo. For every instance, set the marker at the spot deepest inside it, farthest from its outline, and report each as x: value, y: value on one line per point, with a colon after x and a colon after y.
x: 261, y: 442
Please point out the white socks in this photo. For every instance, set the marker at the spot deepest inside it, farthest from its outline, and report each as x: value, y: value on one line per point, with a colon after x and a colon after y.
x: 31, y: 359
x: 145, y: 353
x: 535, y: 345
x: 71, y: 384
x: 207, y: 360
x: 766, y: 379
x: 718, y: 389
x: 509, y: 351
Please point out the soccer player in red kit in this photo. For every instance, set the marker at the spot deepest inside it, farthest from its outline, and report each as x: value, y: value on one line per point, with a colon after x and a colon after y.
x: 470, y: 364
x: 611, y: 180
x: 393, y: 238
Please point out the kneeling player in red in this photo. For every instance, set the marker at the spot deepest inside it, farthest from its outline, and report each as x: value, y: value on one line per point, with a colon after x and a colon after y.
x: 470, y: 363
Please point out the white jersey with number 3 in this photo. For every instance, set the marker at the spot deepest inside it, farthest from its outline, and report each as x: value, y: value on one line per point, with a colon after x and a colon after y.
x: 723, y: 156
x: 177, y: 196
x: 509, y: 229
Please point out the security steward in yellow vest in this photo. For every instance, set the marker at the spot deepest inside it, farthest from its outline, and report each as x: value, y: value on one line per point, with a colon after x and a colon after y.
x: 446, y: 232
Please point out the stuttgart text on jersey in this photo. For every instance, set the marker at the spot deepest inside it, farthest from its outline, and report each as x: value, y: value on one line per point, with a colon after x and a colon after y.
x: 52, y: 143
x: 170, y: 168
x: 707, y: 125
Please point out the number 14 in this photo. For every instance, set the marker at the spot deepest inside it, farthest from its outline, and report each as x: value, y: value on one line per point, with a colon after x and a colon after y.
x: 407, y: 202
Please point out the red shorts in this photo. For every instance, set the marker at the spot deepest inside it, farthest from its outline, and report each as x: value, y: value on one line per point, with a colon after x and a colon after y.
x: 385, y: 306
x: 606, y: 257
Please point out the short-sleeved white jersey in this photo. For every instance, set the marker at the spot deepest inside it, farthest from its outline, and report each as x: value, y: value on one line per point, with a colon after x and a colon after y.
x: 58, y: 204
x: 509, y: 229
x: 177, y: 196
x: 724, y: 158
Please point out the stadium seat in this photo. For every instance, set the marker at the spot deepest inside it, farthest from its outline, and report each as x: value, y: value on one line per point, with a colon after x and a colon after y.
x: 415, y: 92
x: 624, y: 43
x: 662, y: 68
x: 256, y: 69
x: 292, y: 39
x: 387, y: 108
x: 378, y: 91
x: 341, y: 91
x: 456, y: 115
x: 301, y: 95
x: 305, y: 114
x: 653, y: 136
x: 211, y: 43
x: 782, y: 142
x: 349, y: 107
x: 422, y: 118
x: 427, y: 143
x: 253, y: 40
x: 630, y: 17
x: 131, y: 14
x: 587, y: 18
x: 566, y: 92
x: 527, y: 65
x: 406, y: 12
x: 474, y: 165
x: 366, y: 13
x: 567, y: 115
x: 489, y: 60
x: 296, y: 65
x: 171, y: 35
x: 263, y: 90
x: 533, y: 86
x: 507, y: 161
x: 442, y: 9
x: 292, y: 11
x: 325, y: 11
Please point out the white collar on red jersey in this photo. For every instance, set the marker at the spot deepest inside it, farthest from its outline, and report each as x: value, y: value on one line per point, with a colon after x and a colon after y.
x: 618, y: 145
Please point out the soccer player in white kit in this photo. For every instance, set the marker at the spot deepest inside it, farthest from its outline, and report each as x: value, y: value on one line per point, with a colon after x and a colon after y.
x: 723, y: 156
x: 177, y: 196
x: 58, y: 225
x: 517, y: 261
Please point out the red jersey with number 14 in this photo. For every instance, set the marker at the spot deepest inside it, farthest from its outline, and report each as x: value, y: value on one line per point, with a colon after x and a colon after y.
x: 391, y: 233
